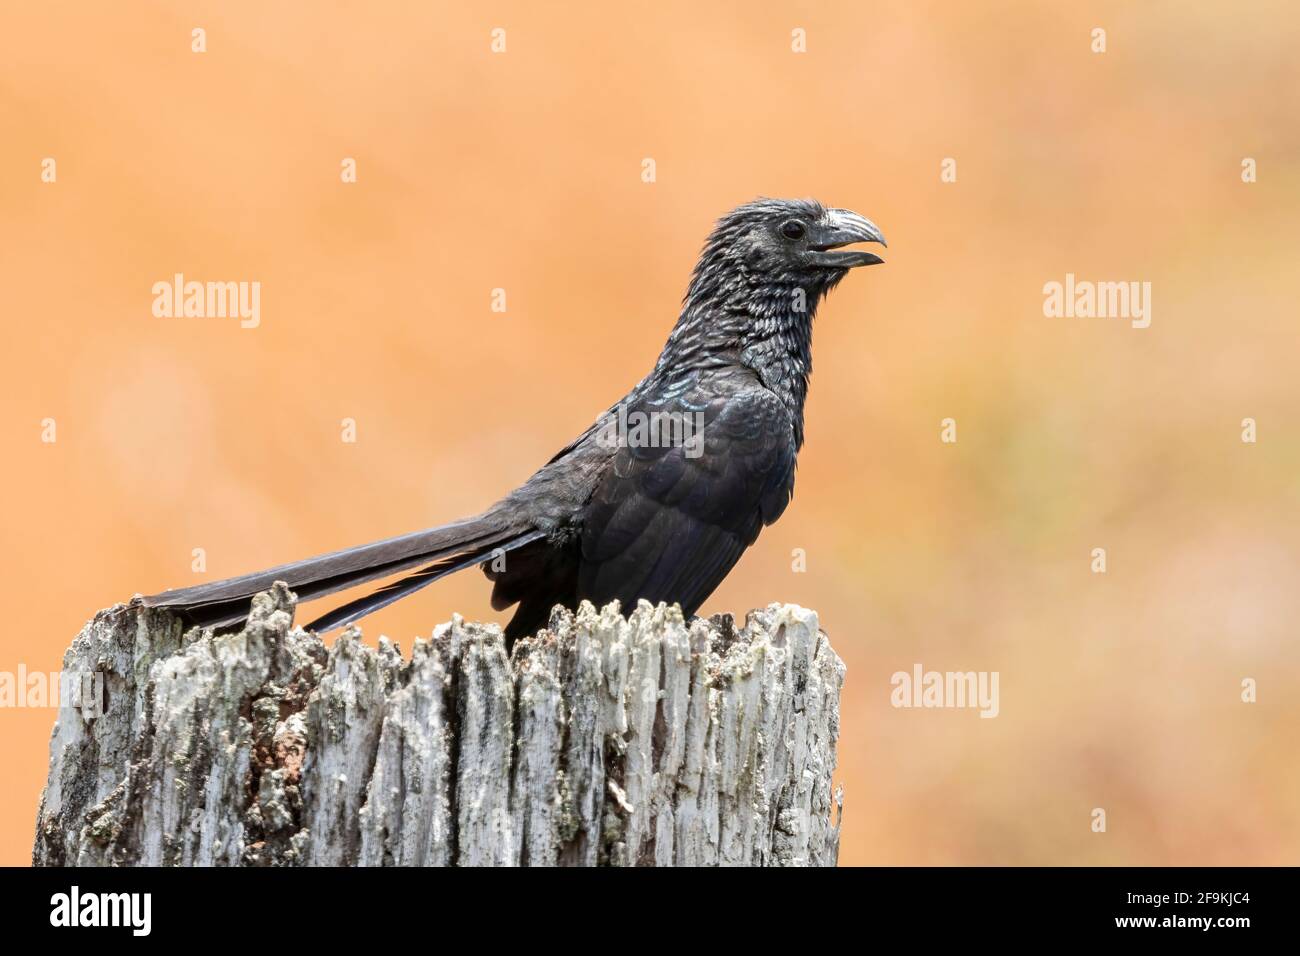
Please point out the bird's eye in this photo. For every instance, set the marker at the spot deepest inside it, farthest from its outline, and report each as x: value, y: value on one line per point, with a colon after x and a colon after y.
x: 793, y: 229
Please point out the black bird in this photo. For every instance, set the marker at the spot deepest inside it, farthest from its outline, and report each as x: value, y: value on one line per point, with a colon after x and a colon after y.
x: 662, y: 494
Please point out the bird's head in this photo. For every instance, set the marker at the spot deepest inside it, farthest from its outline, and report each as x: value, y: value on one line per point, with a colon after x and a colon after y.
x: 765, y: 267
x: 785, y: 243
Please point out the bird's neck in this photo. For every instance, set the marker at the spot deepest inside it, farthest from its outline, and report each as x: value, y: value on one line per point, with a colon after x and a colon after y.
x: 766, y: 330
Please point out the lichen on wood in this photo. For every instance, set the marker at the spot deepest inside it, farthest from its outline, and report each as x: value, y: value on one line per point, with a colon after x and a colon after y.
x: 602, y: 740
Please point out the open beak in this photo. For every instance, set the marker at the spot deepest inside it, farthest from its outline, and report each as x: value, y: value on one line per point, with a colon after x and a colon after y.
x: 841, y: 227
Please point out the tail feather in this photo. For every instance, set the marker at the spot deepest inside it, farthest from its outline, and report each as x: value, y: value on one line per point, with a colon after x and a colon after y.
x: 355, y: 610
x: 454, y: 546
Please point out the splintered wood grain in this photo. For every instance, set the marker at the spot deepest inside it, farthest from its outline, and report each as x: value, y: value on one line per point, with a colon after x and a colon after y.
x: 603, y: 740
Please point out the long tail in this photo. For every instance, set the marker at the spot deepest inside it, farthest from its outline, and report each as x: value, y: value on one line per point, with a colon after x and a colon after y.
x: 445, y: 549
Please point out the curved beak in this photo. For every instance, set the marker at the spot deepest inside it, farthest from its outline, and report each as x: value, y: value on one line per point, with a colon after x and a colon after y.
x: 842, y: 227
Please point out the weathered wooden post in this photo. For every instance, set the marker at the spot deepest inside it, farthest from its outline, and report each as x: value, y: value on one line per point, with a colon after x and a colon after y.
x: 604, y: 741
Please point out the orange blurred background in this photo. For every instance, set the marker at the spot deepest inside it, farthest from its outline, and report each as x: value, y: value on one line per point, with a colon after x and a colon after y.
x: 522, y: 171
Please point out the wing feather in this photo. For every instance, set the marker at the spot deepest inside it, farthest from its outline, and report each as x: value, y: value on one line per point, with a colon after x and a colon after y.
x: 668, y: 523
